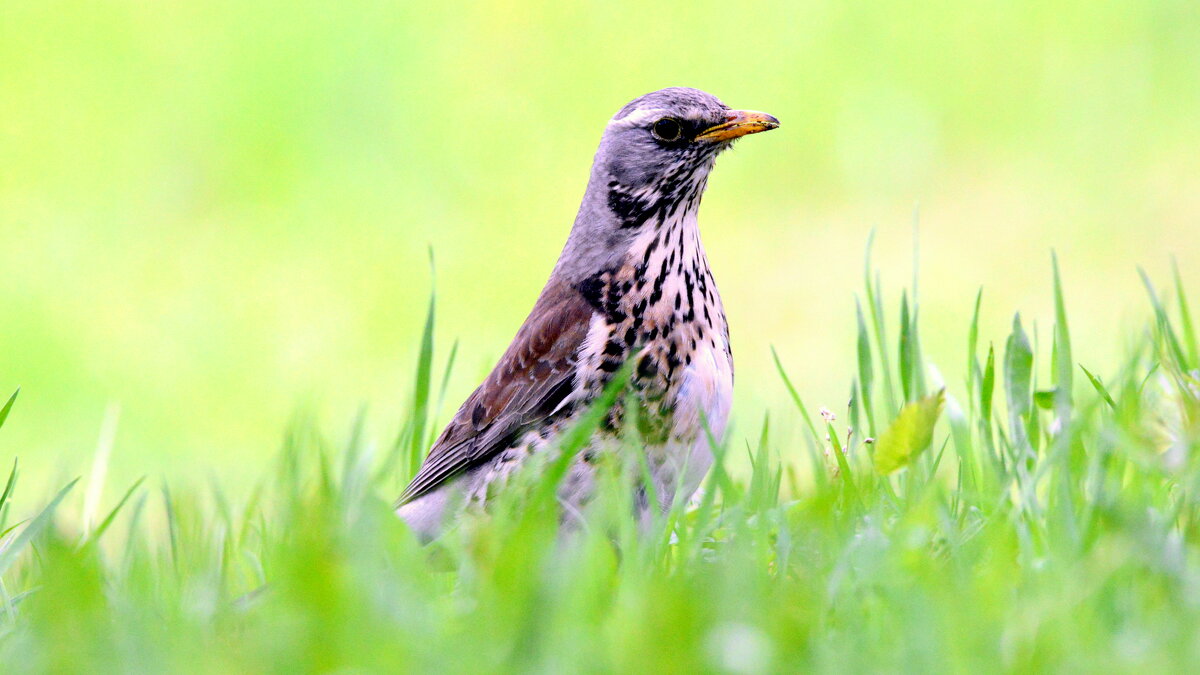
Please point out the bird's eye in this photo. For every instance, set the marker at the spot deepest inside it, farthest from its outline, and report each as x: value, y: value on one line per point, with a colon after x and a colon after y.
x: 667, y: 129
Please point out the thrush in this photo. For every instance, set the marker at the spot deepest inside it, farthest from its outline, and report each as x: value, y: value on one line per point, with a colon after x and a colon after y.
x: 632, y: 282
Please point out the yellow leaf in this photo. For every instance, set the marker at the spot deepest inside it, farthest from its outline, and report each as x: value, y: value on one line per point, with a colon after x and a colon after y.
x: 909, y: 434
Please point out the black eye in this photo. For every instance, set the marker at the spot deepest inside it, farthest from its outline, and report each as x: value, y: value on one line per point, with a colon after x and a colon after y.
x: 667, y: 129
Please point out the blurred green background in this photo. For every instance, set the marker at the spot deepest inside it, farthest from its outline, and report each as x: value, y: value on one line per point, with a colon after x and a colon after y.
x: 214, y: 214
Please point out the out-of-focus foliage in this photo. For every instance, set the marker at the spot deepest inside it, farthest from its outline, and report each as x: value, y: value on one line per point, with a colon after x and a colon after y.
x: 1061, y: 537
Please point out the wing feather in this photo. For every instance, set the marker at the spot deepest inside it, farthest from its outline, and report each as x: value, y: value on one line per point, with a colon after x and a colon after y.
x: 535, y: 375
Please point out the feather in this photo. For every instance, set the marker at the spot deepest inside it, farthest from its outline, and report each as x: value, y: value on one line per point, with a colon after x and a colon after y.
x: 529, y: 386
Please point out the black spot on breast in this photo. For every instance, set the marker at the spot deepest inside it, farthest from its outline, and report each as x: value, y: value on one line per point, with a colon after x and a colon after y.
x: 592, y: 290
x: 612, y: 303
x: 650, y: 249
x: 657, y: 293
x: 691, y: 313
x: 647, y: 368
x: 673, y: 361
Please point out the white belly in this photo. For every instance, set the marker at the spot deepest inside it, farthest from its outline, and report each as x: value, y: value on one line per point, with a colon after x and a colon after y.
x: 702, y: 405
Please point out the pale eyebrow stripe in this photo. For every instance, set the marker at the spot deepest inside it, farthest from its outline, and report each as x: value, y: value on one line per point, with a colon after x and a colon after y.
x: 637, y: 117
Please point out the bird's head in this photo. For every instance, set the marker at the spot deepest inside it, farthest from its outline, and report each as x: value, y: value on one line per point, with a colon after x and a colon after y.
x: 652, y: 166
x: 672, y: 131
x: 657, y: 151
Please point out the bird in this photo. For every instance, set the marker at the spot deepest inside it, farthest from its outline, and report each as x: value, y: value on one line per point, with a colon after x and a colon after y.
x: 633, y: 283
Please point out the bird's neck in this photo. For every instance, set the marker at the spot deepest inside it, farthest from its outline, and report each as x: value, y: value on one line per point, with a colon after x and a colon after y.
x: 663, y: 278
x: 617, y: 220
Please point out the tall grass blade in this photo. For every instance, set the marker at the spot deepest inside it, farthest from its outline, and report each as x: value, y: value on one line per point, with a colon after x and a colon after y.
x: 423, y: 383
x: 787, y: 382
x: 172, y: 525
x: 1063, y: 363
x: 972, y: 346
x: 866, y: 373
x: 9, y: 554
x: 987, y: 386
x: 907, y: 356
x: 875, y: 304
x: 95, y: 486
x: 112, y: 515
x: 445, y: 385
x: 8, y: 407
x: 844, y: 470
x: 1099, y: 387
x: 1018, y: 374
x: 1185, y: 319
x: 9, y: 485
x: 1166, y: 332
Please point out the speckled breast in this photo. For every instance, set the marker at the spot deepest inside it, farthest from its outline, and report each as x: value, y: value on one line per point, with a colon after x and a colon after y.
x: 662, y: 307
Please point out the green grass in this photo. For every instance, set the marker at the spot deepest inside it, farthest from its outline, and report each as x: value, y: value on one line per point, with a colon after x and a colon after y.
x: 1040, y: 515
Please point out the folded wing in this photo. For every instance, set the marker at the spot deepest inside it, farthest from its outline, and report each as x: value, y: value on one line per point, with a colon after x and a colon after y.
x: 535, y: 375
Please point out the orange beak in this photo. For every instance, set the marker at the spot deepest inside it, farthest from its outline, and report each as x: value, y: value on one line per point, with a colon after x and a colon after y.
x: 738, y: 123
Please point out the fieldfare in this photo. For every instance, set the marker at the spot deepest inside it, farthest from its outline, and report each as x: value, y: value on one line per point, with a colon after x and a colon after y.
x: 633, y: 281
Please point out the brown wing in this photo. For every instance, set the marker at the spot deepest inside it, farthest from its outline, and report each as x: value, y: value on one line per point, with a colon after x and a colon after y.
x: 532, y: 378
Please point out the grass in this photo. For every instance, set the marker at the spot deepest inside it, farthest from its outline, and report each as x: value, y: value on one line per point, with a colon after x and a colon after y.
x: 1040, y: 515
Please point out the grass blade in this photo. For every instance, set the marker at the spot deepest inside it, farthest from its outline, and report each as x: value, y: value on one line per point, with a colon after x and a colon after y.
x: 972, y: 346
x: 1099, y: 386
x: 437, y: 409
x: 1185, y: 318
x: 8, y: 406
x: 866, y: 375
x: 907, y: 386
x: 987, y: 386
x: 1165, y: 330
x: 423, y: 384
x: 95, y: 485
x: 9, y: 555
x: 787, y: 382
x: 875, y: 304
x: 108, y: 520
x: 1063, y: 364
x: 8, y: 486
x: 1018, y: 373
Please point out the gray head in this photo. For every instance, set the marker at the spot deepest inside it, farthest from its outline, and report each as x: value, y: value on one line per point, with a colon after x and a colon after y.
x: 652, y: 166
